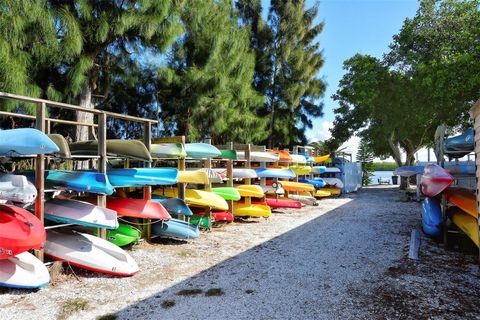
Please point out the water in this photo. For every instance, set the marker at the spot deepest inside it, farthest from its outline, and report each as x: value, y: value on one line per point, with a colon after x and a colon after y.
x: 384, y: 175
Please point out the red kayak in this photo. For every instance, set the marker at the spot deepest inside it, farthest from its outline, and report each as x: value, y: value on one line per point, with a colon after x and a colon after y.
x: 218, y: 216
x: 434, y: 180
x: 138, y: 208
x: 278, y: 203
x: 19, y: 231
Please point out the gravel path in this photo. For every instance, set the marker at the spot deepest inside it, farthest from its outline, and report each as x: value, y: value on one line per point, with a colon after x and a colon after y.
x: 345, y: 259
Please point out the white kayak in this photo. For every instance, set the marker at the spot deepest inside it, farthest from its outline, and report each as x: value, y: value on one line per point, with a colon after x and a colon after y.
x: 298, y: 158
x: 259, y: 156
x: 308, y: 200
x: 238, y: 173
x: 81, y: 213
x: 23, y: 271
x: 334, y: 182
x: 332, y: 170
x: 89, y: 252
x: 17, y: 188
x: 272, y: 190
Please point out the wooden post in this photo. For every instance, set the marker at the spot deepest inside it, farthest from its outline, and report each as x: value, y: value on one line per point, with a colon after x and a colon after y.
x: 102, y: 163
x: 475, y: 115
x: 147, y: 191
x: 40, y: 172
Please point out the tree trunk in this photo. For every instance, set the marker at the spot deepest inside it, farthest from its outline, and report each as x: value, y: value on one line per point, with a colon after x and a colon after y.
x: 85, y: 133
x: 272, y: 120
x: 396, y: 154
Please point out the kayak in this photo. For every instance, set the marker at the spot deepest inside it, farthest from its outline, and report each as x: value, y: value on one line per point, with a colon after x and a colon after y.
x: 173, y: 205
x: 301, y: 170
x: 275, y: 173
x: 333, y: 182
x: 259, y: 156
x: 332, y: 170
x: 201, y: 221
x: 431, y: 217
x: 291, y: 186
x: 89, y: 252
x: 195, y: 177
x: 222, y: 216
x: 168, y: 150
x: 213, y: 176
x: 228, y: 154
x: 308, y: 200
x: 80, y: 213
x: 141, y: 177
x: 132, y: 149
x: 238, y: 173
x: 320, y: 159
x: 407, y: 171
x: 19, y: 231
x: 283, y: 203
x: 253, y: 191
x: 17, y: 188
x: 196, y: 198
x: 201, y: 151
x: 122, y: 236
x: 284, y: 155
x: 321, y: 193
x: 176, y: 229
x: 297, y: 158
x: 25, y: 142
x: 317, y: 183
x: 23, y: 271
x: 461, y: 145
x: 464, y: 199
x: 465, y: 222
x: 227, y: 193
x: 319, y: 169
x: 62, y: 144
x: 278, y: 190
x: 138, y: 208
x: 254, y: 210
x: 331, y: 191
x: 434, y: 180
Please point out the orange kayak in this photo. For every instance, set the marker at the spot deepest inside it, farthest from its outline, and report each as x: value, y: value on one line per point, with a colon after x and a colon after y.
x: 464, y: 199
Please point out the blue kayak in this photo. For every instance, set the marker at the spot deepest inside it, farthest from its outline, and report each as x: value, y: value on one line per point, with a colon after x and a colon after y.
x: 173, y: 205
x: 201, y: 151
x: 461, y: 145
x: 431, y: 217
x: 317, y: 182
x: 275, y: 173
x: 176, y: 229
x: 319, y: 169
x: 141, y: 177
x: 407, y: 171
x: 25, y: 141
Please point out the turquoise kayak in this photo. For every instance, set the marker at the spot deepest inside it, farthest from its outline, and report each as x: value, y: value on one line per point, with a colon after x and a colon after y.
x: 461, y: 145
x: 173, y: 205
x: 317, y: 182
x: 25, y: 141
x: 176, y: 229
x: 140, y: 177
x: 275, y: 173
x: 201, y: 151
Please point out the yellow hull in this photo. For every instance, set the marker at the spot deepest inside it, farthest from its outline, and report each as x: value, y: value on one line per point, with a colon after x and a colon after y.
x: 322, y: 194
x: 250, y: 191
x: 296, y: 186
x: 301, y: 170
x: 332, y: 191
x: 196, y: 198
x: 321, y: 158
x: 254, y: 210
x: 197, y: 177
x: 467, y: 224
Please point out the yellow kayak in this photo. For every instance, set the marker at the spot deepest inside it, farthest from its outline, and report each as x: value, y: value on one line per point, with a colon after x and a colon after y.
x: 253, y: 210
x: 197, y: 177
x: 332, y: 191
x: 321, y: 158
x: 301, y: 170
x: 322, y: 194
x: 296, y: 186
x: 253, y: 191
x: 196, y: 198
x: 466, y: 223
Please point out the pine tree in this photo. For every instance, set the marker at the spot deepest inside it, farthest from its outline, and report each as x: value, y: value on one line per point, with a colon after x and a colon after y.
x: 365, y: 156
x: 205, y: 90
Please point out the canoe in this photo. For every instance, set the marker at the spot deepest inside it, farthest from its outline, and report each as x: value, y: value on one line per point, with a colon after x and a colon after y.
x: 227, y: 193
x: 25, y: 142
x: 321, y: 193
x: 19, y: 231
x: 228, y: 154
x: 459, y: 168
x: 301, y: 170
x: 319, y: 169
x: 196, y: 198
x: 254, y: 210
x: 89, y: 252
x: 259, y: 156
x: 434, y: 180
x: 461, y: 145
x: 132, y: 149
x: 332, y: 190
x: 138, y: 208
x: 431, y: 217
x: 465, y: 222
x: 320, y: 159
x: 23, y: 271
x: 464, y: 199
x: 333, y: 182
x: 222, y: 216
x: 317, y: 183
x: 201, y: 221
x: 176, y: 229
x: 407, y: 171
x: 201, y: 151
x: 17, y: 188
x: 213, y: 176
x: 238, y: 173
x: 62, y: 144
x: 141, y: 177
x: 122, y: 236
x: 253, y: 191
x: 173, y: 205
x: 297, y: 158
x: 332, y: 170
x: 308, y: 200
x: 195, y: 177
x: 275, y: 173
x: 291, y: 186
x: 80, y: 213
x: 283, y: 155
x: 283, y: 203
x: 168, y: 150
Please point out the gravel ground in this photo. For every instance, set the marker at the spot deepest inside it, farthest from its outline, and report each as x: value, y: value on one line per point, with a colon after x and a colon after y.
x: 345, y: 259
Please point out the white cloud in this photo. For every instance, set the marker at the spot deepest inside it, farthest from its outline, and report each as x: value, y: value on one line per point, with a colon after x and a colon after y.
x: 320, y: 131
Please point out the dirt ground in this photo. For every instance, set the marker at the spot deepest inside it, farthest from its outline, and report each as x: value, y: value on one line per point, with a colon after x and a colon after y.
x: 346, y: 259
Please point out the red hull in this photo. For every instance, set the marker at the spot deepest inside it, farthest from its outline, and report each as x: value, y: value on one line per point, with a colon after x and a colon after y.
x: 226, y: 216
x: 278, y: 203
x: 138, y: 208
x: 19, y: 231
x: 435, y: 180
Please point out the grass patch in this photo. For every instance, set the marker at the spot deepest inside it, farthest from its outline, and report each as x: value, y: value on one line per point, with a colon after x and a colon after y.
x: 214, y: 292
x: 110, y: 316
x: 168, y: 304
x: 71, y: 306
x: 189, y: 292
x: 185, y: 253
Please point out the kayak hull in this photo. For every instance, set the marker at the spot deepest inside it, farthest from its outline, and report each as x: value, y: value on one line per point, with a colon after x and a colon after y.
x: 431, y: 217
x: 227, y: 193
x: 435, y: 180
x: 133, y: 149
x: 283, y: 203
x: 464, y: 199
x: 254, y: 210
x: 275, y: 173
x: 196, y: 198
x: 466, y: 223
x: 168, y: 150
x: 201, y: 151
x: 141, y: 177
x: 23, y: 271
x: 138, y: 208
x: 176, y: 229
x: 17, y: 188
x: 24, y: 142
x: 173, y: 205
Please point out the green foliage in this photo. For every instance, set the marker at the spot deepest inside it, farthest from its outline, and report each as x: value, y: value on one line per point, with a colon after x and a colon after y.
x: 365, y: 157
x: 327, y: 147
x: 384, y: 166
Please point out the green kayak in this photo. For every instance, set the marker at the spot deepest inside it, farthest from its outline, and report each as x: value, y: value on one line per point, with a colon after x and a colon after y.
x: 124, y: 235
x: 201, y: 221
x: 227, y: 193
x: 132, y: 149
x: 228, y: 154
x: 62, y: 144
x: 168, y: 150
